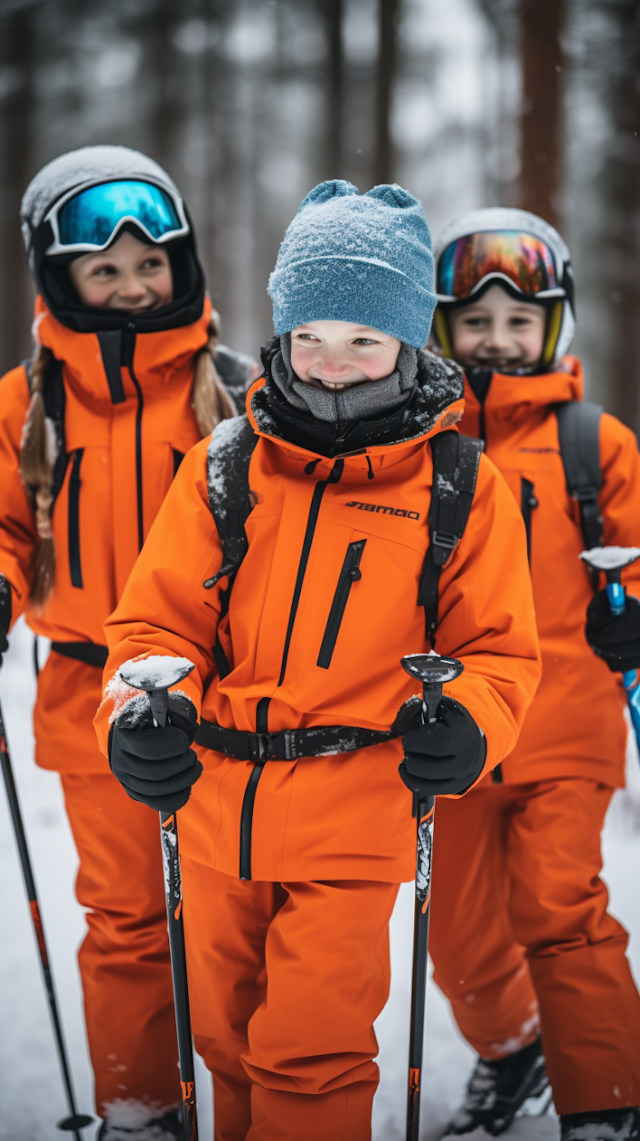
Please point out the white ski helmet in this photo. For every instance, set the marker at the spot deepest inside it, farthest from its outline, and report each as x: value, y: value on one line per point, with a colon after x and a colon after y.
x: 516, y: 249
x: 81, y: 202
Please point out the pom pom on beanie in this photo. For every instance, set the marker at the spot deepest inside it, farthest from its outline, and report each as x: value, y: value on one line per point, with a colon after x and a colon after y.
x: 361, y: 258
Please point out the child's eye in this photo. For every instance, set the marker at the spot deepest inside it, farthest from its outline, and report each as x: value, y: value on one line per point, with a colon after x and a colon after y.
x: 151, y: 263
x: 364, y: 341
x: 475, y: 322
x: 104, y: 271
x: 305, y: 337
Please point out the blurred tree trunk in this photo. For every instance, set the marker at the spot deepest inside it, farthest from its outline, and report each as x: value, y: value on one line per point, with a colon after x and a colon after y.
x: 541, y: 127
x: 620, y: 181
x: 18, y: 54
x: 166, y: 118
x: 387, y: 55
x: 332, y: 12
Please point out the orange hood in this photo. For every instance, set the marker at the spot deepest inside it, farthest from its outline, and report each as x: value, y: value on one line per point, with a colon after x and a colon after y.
x: 126, y: 428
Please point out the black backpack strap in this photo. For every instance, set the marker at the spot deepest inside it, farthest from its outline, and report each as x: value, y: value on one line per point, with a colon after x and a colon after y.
x: 228, y: 459
x: 579, y: 435
x: 54, y: 405
x: 456, y: 460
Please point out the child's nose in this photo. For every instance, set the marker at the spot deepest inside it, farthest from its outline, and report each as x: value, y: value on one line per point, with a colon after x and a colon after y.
x: 131, y: 286
x: 498, y: 336
x: 335, y: 366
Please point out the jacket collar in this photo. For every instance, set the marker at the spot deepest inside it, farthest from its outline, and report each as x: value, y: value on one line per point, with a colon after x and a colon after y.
x: 516, y: 397
x: 436, y: 404
x: 92, y: 360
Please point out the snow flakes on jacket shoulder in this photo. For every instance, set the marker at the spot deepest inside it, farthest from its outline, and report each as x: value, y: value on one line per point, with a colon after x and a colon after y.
x: 229, y: 442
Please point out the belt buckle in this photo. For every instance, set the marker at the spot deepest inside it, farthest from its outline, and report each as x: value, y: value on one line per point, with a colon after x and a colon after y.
x: 265, y: 748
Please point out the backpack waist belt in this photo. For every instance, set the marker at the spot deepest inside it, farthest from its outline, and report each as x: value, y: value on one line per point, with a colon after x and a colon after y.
x: 90, y: 653
x: 289, y: 744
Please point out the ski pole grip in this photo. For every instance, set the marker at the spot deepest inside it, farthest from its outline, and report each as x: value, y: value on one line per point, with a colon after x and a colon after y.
x: 155, y: 675
x: 159, y: 699
x: 431, y: 697
x: 616, y: 596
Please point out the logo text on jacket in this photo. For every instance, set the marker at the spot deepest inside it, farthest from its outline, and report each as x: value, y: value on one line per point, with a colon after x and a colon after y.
x: 380, y: 510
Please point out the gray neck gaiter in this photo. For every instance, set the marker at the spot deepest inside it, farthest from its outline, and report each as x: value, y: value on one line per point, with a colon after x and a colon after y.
x: 370, y: 398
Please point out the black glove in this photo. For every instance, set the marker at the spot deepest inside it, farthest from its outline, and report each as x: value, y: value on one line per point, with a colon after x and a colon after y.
x: 444, y: 756
x: 614, y: 639
x: 155, y: 764
x: 5, y: 615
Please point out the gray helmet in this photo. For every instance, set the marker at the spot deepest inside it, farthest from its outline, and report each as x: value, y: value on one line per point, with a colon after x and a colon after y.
x: 557, y: 294
x: 75, y: 171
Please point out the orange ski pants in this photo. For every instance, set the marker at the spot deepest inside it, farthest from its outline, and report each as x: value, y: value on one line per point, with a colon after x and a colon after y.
x: 521, y: 939
x: 285, y: 982
x: 124, y: 959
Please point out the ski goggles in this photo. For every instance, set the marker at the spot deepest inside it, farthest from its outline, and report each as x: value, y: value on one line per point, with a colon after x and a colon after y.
x: 87, y: 220
x: 521, y: 260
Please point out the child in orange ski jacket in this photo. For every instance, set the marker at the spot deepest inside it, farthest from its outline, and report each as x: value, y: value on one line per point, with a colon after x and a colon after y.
x: 122, y: 384
x: 286, y: 564
x: 521, y: 937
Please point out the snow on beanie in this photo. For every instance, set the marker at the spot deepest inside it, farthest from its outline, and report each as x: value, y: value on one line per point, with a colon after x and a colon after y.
x: 362, y: 258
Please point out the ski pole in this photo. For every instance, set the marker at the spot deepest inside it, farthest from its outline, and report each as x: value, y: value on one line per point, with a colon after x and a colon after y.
x: 75, y: 1121
x: 433, y: 671
x: 612, y: 561
x: 155, y: 675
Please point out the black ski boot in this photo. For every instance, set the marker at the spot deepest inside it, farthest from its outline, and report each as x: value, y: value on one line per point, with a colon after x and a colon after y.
x: 601, y: 1125
x: 165, y: 1128
x: 498, y: 1089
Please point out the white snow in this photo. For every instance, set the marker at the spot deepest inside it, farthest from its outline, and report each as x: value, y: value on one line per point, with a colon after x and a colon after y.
x: 158, y: 671
x: 30, y: 1088
x: 610, y: 558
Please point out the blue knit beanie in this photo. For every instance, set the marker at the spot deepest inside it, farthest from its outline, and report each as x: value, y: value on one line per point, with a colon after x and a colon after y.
x: 362, y: 258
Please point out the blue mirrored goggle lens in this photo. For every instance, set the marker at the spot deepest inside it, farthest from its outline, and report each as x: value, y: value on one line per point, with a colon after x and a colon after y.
x: 91, y: 216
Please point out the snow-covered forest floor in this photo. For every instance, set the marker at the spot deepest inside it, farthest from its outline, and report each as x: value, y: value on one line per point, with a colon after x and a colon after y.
x: 31, y: 1098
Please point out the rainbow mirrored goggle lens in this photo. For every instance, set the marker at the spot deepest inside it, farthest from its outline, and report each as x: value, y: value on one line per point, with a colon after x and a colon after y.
x: 523, y: 260
x: 89, y: 219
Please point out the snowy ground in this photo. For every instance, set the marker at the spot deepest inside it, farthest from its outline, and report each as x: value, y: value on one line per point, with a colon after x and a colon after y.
x: 30, y: 1090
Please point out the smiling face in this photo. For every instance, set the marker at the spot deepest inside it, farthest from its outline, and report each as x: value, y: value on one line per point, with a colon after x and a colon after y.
x: 130, y: 276
x: 498, y: 332
x: 338, y: 354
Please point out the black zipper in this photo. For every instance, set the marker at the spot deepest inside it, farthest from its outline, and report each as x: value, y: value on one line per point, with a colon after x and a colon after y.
x: 75, y: 483
x: 349, y: 574
x: 314, y: 510
x: 528, y: 502
x: 249, y: 799
x: 262, y: 711
x: 128, y: 350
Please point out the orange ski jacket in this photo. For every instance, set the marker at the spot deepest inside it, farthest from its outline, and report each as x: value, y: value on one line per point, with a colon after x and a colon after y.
x: 347, y: 815
x: 575, y: 725
x: 122, y: 459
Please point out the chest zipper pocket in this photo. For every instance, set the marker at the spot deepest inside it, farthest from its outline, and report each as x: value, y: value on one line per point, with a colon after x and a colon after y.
x: 349, y: 574
x: 75, y: 483
x: 528, y: 503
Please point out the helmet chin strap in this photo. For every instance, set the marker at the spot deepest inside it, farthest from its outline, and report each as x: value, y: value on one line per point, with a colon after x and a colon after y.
x: 442, y: 332
x: 552, y: 332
